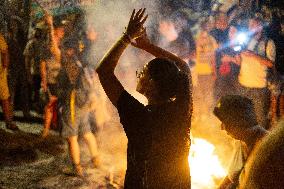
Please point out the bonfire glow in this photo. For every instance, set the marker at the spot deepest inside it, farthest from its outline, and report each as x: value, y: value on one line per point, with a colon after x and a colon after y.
x: 205, y: 166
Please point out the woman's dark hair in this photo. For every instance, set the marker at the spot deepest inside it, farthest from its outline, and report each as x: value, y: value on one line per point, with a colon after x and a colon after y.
x: 166, y: 76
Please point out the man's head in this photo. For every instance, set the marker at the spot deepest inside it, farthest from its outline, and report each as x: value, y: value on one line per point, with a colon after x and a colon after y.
x: 59, y: 28
x: 91, y: 33
x: 255, y: 24
x: 70, y: 47
x: 236, y: 114
x: 221, y: 21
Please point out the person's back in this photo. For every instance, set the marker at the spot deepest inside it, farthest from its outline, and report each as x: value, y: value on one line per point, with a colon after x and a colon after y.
x: 158, y: 144
x: 265, y: 167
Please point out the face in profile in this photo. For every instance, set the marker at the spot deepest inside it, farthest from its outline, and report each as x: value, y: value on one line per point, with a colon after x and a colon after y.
x: 144, y: 83
x: 233, y: 131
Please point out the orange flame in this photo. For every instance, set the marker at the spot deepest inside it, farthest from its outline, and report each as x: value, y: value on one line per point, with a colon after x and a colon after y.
x: 205, y: 166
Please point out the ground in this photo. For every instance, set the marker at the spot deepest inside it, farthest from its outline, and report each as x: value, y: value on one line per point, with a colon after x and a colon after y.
x: 28, y: 161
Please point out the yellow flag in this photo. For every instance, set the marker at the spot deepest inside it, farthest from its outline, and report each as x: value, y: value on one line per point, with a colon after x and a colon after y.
x: 72, y: 107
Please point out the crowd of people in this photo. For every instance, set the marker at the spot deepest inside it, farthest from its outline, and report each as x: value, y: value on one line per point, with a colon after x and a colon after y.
x: 232, y: 68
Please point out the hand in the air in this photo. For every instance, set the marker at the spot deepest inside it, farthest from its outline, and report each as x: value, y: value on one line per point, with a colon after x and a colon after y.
x: 135, y: 26
x: 141, y: 41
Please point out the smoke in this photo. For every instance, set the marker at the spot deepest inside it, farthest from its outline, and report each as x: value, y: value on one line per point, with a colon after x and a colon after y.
x: 109, y: 19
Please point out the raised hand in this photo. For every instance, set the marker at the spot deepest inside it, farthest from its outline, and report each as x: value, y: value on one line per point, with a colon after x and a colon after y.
x: 135, y: 26
x: 142, y: 41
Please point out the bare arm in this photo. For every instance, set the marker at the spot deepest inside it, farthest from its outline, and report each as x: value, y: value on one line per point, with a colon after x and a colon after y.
x: 262, y: 60
x: 234, y: 59
x: 105, y: 69
x: 144, y: 44
x: 226, y: 183
x: 5, y: 59
x: 53, y: 44
x: 43, y: 75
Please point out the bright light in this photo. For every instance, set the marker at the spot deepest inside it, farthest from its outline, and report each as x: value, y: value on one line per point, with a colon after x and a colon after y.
x: 242, y: 38
x: 237, y: 48
x: 205, y: 166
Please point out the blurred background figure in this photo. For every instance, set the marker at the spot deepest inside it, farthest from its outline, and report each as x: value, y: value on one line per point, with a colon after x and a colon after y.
x: 75, y: 106
x: 227, y: 65
x: 33, y: 53
x: 18, y: 76
x: 256, y: 68
x: 206, y: 46
x: 4, y: 89
x: 50, y: 67
x: 89, y: 60
x: 220, y: 29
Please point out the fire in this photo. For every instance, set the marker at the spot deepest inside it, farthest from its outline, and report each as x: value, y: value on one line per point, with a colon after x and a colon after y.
x: 205, y: 166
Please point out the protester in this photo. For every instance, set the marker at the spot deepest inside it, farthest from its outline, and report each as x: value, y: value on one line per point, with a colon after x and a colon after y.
x: 74, y: 102
x: 265, y: 166
x: 50, y: 67
x: 276, y: 110
x: 254, y: 65
x: 239, y: 121
x: 227, y: 68
x: 158, y: 134
x: 177, y: 37
x: 220, y: 30
x: 4, y: 90
x: 206, y: 46
x: 32, y: 53
x: 89, y: 59
x: 17, y: 77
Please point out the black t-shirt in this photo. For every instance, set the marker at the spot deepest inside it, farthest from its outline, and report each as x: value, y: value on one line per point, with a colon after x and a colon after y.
x: 158, y: 143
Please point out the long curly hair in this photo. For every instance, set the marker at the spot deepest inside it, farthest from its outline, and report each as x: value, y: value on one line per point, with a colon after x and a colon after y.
x: 170, y: 81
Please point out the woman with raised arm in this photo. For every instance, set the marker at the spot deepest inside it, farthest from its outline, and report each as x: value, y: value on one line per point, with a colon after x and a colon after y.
x: 158, y: 134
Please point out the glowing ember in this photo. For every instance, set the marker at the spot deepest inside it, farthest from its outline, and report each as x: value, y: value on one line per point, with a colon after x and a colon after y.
x: 205, y: 166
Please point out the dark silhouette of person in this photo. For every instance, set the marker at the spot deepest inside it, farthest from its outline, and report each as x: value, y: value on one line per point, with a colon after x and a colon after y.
x: 158, y: 134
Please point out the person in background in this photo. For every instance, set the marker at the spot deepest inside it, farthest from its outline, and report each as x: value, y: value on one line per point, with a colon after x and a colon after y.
x: 256, y: 65
x: 265, y: 166
x: 32, y: 53
x: 17, y: 77
x: 158, y: 134
x: 220, y: 30
x: 239, y: 121
x: 206, y: 46
x: 227, y: 65
x: 276, y: 111
x: 89, y: 38
x: 50, y: 66
x: 89, y: 59
x: 74, y: 106
x: 176, y: 36
x: 4, y: 90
